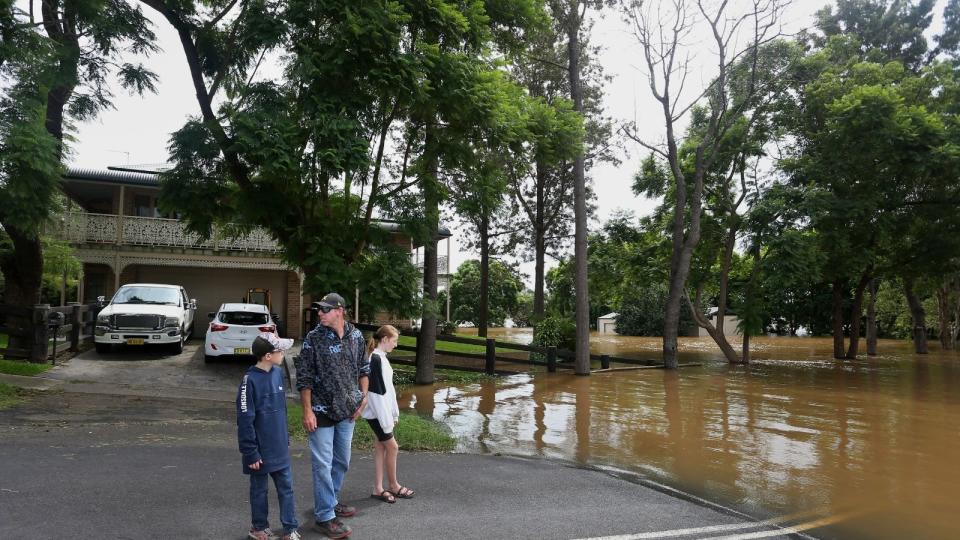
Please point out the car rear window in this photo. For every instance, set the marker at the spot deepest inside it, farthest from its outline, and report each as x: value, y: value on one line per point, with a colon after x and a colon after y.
x: 243, y: 317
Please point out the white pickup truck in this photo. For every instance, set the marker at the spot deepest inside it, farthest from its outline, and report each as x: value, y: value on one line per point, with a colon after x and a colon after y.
x: 145, y: 314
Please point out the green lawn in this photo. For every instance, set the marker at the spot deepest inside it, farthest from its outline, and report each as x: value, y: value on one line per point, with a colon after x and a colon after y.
x: 446, y: 346
x: 10, y: 395
x: 413, y: 432
x: 19, y: 367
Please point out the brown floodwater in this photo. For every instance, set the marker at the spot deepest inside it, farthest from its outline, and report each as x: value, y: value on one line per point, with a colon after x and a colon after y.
x: 854, y: 449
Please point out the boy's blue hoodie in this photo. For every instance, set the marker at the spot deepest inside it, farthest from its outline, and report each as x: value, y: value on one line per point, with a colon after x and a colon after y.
x: 262, y: 420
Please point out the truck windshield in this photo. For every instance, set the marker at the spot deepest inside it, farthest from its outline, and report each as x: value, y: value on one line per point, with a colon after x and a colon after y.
x: 147, y: 295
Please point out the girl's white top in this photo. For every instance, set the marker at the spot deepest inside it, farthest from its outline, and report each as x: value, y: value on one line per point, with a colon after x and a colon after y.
x: 383, y: 408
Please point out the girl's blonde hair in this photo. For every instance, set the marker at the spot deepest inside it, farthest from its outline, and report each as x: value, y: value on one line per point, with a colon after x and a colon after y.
x: 384, y: 331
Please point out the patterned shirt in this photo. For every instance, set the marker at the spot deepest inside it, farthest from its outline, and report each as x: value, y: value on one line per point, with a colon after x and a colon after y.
x: 330, y: 367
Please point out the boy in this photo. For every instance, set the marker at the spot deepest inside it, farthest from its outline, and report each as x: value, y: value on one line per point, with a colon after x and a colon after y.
x: 263, y: 437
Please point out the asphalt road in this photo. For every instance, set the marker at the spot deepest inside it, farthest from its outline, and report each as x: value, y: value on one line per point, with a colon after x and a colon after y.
x: 146, y: 449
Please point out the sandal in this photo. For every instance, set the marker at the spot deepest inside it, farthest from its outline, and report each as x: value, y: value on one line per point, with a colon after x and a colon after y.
x: 403, y: 493
x: 385, y: 496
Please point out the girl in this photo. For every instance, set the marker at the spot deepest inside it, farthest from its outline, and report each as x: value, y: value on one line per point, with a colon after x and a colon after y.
x: 382, y: 413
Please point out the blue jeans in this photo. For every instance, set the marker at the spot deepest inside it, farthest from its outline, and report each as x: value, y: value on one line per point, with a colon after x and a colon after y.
x: 259, y: 507
x: 330, y: 456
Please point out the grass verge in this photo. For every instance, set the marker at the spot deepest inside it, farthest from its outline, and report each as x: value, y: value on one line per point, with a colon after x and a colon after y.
x: 413, y: 433
x: 404, y: 375
x: 448, y: 346
x: 10, y: 395
x: 16, y: 367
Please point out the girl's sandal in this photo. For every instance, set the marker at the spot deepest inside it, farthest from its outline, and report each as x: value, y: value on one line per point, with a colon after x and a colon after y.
x: 403, y: 493
x: 385, y: 496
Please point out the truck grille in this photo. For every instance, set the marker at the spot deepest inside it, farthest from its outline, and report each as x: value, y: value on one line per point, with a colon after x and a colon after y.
x: 138, y: 321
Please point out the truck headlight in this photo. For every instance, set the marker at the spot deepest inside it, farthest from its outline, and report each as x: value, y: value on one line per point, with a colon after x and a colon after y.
x: 103, y: 320
x: 171, y: 322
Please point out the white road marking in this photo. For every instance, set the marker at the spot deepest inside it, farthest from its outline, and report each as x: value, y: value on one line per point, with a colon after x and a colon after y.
x: 789, y: 530
x: 773, y: 522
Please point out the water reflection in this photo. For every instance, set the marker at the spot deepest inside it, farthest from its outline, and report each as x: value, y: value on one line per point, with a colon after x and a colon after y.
x: 795, y: 431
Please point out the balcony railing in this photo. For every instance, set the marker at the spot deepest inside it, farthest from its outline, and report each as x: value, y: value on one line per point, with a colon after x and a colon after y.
x: 85, y: 228
x: 443, y: 264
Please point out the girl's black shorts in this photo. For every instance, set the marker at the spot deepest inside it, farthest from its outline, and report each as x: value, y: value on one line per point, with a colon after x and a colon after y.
x: 378, y: 431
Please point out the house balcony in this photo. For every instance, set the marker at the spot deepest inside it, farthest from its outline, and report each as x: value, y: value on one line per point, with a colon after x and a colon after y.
x: 83, y: 228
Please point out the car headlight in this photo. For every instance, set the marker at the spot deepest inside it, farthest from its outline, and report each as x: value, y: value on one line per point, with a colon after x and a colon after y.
x: 170, y: 322
x: 103, y: 320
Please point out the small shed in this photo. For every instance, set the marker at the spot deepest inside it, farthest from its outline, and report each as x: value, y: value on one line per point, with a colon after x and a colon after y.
x: 607, y: 324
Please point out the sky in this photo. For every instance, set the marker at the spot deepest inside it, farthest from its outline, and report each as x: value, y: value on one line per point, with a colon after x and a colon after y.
x: 136, y: 132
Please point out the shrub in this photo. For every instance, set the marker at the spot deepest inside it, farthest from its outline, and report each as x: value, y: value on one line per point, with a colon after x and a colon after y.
x: 554, y: 331
x: 642, y: 313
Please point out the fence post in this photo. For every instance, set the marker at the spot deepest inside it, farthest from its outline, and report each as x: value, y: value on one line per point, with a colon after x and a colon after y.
x: 38, y: 350
x: 76, y: 319
x: 551, y: 359
x: 491, y: 356
x: 605, y: 361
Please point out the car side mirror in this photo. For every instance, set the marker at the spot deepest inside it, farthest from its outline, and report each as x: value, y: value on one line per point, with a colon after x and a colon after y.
x: 101, y: 301
x: 192, y: 304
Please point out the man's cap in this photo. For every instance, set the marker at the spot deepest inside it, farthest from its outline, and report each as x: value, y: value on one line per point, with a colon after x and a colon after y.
x: 333, y: 300
x: 268, y: 342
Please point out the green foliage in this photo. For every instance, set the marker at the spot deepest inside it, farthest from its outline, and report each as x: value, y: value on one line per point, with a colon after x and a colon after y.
x: 505, y: 286
x: 641, y: 312
x: 554, y: 331
x: 523, y: 314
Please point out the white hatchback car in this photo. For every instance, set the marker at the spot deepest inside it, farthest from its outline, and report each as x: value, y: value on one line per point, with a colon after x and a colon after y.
x: 233, y: 328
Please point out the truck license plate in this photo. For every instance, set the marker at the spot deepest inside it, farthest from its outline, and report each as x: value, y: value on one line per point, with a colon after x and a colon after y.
x: 135, y: 341
x: 241, y: 350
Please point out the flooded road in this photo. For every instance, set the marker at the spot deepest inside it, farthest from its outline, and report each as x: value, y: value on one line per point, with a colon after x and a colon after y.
x: 869, y: 448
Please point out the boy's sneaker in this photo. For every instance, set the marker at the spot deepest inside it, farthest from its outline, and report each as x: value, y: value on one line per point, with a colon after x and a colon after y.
x: 294, y: 535
x: 265, y: 534
x: 334, y: 528
x: 342, y: 510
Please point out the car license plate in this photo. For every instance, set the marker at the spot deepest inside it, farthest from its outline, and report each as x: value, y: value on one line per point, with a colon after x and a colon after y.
x: 135, y: 341
x: 241, y: 350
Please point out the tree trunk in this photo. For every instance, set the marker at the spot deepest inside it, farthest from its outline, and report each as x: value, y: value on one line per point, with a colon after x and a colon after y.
x: 540, y: 247
x: 745, y: 348
x: 943, y: 312
x: 856, y: 311
x: 22, y: 270
x: 582, y: 362
x: 726, y: 261
x: 838, y: 351
x: 715, y: 333
x: 919, y: 317
x: 484, y: 310
x: 427, y: 340
x: 872, y: 319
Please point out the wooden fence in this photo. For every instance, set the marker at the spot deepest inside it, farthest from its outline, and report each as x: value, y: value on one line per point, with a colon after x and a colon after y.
x: 550, y: 357
x: 41, y: 333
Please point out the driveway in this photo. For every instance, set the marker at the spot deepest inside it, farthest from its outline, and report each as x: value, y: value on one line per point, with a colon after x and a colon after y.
x: 185, y: 374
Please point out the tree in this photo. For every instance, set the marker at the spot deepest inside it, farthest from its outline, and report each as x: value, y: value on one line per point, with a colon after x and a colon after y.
x: 661, y: 37
x: 305, y: 156
x: 465, y: 292
x: 53, y: 79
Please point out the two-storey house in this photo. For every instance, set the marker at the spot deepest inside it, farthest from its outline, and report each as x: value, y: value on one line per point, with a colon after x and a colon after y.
x: 121, y: 237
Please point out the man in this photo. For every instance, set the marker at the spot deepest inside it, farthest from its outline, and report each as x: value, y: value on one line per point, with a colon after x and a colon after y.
x: 332, y: 380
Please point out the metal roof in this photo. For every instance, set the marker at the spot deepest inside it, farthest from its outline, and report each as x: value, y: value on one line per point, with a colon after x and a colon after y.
x: 113, y: 177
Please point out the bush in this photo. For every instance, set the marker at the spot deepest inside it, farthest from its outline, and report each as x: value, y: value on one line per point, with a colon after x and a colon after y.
x: 642, y: 313
x: 554, y: 331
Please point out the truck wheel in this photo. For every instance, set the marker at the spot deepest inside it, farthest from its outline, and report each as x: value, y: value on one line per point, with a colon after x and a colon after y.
x: 177, y: 347
x: 104, y: 348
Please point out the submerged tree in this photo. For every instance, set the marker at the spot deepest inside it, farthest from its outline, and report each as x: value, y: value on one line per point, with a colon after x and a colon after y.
x: 662, y: 35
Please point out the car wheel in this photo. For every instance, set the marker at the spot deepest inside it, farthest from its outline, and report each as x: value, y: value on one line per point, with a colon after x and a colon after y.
x: 103, y: 348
